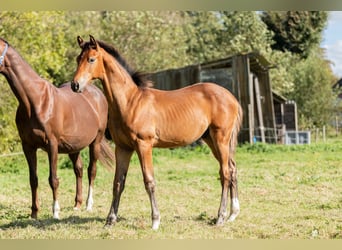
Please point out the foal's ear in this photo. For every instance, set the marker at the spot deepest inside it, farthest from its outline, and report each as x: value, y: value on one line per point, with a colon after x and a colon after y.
x: 80, y: 41
x: 93, y: 43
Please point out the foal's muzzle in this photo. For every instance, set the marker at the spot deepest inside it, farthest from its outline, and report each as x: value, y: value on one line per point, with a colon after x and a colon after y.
x: 75, y: 86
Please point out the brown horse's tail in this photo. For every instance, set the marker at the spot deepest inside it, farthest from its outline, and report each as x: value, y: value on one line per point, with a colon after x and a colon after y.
x: 236, y: 129
x: 107, y: 157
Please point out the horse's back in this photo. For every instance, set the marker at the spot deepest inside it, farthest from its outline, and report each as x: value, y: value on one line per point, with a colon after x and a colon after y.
x: 91, y: 95
x: 84, y: 114
x: 210, y: 97
x: 182, y: 116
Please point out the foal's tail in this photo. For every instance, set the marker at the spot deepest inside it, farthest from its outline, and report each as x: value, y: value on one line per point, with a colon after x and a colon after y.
x: 107, y: 156
x: 234, y: 136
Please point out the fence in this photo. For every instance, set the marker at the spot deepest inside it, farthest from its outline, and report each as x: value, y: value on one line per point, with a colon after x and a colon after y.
x: 283, y: 136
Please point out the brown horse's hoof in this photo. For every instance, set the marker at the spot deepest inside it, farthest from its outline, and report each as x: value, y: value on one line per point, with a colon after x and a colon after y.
x: 111, y: 220
x: 34, y: 215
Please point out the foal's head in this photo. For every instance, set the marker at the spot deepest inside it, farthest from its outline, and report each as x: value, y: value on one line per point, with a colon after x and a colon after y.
x: 90, y: 64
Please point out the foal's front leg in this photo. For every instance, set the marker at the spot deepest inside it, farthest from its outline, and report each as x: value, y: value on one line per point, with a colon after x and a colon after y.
x: 145, y: 156
x: 122, y: 158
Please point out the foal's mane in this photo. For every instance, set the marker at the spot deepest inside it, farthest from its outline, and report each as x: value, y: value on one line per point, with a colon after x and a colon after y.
x: 138, y: 77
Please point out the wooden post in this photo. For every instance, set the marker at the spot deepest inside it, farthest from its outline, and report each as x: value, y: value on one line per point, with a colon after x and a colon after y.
x: 259, y: 108
x: 283, y: 132
x: 251, y: 106
x: 250, y: 124
x: 317, y: 134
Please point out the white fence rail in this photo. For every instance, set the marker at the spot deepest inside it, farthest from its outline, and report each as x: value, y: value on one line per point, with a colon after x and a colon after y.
x: 281, y: 136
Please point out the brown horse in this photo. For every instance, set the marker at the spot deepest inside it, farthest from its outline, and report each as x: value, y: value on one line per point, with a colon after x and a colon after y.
x: 141, y: 118
x: 58, y: 121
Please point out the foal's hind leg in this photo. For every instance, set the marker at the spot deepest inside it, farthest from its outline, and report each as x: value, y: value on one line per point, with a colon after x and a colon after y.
x: 78, y: 170
x: 218, y: 143
x: 234, y: 205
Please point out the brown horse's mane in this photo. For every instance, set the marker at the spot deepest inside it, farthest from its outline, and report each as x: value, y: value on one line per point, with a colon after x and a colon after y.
x: 4, y: 40
x: 138, y: 77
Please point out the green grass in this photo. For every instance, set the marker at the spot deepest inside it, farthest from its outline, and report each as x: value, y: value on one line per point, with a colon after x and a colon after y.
x: 285, y: 192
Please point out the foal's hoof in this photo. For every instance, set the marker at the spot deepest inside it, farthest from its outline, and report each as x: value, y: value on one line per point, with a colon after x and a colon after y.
x: 107, y: 225
x: 233, y: 216
x: 220, y: 221
x: 89, y: 208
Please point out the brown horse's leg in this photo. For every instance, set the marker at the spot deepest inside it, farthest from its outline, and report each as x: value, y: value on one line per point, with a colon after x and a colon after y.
x: 122, y: 163
x: 31, y: 158
x: 94, y: 152
x: 145, y: 156
x: 78, y: 170
x: 53, y: 180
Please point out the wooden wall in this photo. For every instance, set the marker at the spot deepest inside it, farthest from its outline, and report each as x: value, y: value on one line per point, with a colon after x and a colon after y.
x: 246, y: 76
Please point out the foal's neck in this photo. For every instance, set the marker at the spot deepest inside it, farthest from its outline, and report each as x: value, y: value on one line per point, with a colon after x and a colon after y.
x: 118, y: 85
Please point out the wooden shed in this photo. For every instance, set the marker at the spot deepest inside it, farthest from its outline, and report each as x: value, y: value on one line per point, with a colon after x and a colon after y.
x: 247, y: 77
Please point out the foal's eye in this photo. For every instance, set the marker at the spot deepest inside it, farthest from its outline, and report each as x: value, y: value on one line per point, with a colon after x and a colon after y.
x: 91, y: 60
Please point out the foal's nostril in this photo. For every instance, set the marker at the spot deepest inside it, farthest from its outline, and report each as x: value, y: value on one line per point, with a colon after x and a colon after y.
x: 75, y: 86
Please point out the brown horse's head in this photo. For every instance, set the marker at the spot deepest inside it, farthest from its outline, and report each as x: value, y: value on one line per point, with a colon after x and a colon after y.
x: 3, y: 51
x: 90, y: 64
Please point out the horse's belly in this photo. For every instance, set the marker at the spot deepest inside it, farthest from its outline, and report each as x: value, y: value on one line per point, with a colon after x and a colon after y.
x: 179, y: 135
x: 75, y: 143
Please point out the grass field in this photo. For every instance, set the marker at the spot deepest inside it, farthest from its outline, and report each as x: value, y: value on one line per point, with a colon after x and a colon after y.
x: 285, y: 192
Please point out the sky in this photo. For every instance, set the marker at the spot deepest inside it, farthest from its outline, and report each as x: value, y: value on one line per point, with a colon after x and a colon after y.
x: 332, y: 41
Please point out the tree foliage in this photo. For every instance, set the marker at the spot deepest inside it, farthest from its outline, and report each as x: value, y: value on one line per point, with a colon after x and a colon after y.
x: 296, y: 31
x: 220, y: 34
x: 313, y: 90
x: 152, y: 40
x: 158, y: 40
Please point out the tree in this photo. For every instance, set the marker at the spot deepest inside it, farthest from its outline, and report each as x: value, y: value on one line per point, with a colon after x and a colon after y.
x: 218, y: 34
x: 38, y: 39
x: 296, y: 31
x: 158, y: 40
x: 152, y: 40
x: 313, y: 89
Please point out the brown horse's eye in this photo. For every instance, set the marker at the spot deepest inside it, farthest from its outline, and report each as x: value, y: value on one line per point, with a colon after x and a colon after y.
x: 91, y: 60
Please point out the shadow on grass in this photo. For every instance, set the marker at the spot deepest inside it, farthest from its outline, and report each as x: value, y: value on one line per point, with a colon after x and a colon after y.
x: 19, y: 219
x: 25, y: 222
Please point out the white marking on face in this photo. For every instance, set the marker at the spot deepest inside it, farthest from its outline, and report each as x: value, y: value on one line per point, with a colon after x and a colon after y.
x: 83, y: 82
